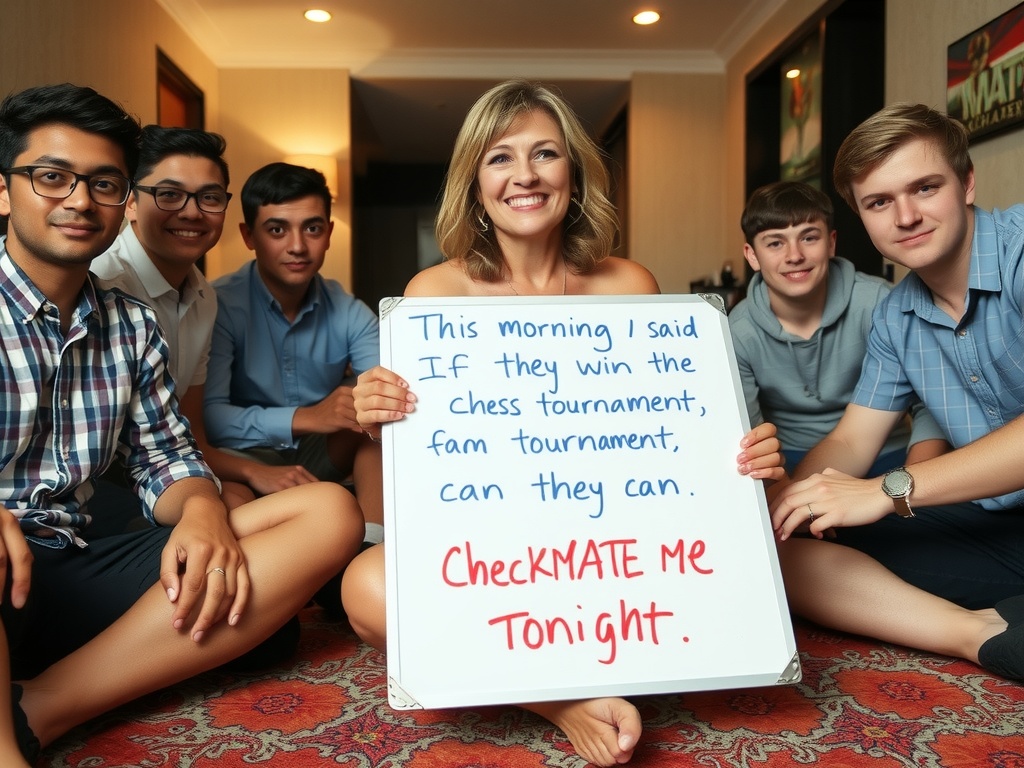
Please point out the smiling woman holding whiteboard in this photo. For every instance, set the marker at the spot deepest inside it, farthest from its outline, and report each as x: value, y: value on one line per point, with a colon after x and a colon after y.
x: 525, y: 212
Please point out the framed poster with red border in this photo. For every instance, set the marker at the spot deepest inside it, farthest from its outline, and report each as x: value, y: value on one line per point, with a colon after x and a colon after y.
x: 985, y: 76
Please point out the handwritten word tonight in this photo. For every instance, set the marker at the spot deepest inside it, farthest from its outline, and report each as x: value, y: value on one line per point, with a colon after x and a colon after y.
x: 609, y: 629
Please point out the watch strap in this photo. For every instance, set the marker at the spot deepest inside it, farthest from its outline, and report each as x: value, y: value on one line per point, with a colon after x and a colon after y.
x: 902, y: 505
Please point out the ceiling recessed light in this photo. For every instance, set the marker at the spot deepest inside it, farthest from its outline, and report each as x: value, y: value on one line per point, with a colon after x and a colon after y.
x: 317, y: 15
x: 793, y: 74
x: 646, y: 17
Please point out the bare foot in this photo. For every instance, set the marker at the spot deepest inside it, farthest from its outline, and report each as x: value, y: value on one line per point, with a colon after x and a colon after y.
x: 603, y: 731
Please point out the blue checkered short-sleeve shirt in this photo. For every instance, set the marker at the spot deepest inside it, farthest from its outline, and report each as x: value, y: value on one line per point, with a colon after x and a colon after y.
x: 970, y: 374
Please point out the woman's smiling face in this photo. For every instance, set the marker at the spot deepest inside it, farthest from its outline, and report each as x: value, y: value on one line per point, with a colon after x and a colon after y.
x: 525, y: 181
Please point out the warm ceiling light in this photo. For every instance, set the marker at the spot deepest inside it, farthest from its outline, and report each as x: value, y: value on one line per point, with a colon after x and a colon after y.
x: 793, y: 74
x: 318, y: 15
x: 646, y: 17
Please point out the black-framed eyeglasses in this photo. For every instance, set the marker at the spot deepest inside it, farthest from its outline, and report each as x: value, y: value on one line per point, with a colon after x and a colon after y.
x: 212, y: 200
x: 59, y: 183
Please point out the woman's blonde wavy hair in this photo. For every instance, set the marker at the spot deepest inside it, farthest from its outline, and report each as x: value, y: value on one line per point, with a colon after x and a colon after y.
x: 590, y: 225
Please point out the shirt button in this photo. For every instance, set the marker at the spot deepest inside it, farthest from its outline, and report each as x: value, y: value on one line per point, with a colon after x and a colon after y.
x: 64, y: 403
x: 974, y: 379
x: 962, y: 333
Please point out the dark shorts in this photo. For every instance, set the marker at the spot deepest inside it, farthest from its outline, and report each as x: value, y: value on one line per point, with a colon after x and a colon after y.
x: 311, y: 454
x: 77, y: 593
x: 961, y: 552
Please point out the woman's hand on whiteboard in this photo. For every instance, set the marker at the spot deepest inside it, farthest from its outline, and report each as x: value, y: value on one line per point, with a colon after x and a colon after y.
x: 381, y: 396
x: 761, y: 455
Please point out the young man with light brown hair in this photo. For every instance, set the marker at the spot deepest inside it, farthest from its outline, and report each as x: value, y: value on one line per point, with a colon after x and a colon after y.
x: 930, y: 555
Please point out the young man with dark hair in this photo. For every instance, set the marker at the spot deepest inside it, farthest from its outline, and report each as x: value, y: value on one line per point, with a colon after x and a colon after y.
x: 801, y: 332
x: 89, y: 626
x: 285, y: 342
x: 175, y: 216
x: 931, y: 555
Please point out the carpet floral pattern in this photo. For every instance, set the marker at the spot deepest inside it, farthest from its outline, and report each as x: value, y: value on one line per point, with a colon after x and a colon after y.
x: 860, y: 703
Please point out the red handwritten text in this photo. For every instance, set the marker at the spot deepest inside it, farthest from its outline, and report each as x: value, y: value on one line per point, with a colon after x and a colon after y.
x: 523, y: 630
x: 598, y: 560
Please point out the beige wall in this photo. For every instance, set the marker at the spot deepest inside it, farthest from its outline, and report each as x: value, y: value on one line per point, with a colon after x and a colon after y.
x: 109, y: 45
x: 686, y: 145
x: 676, y: 166
x: 916, y: 71
x: 269, y: 114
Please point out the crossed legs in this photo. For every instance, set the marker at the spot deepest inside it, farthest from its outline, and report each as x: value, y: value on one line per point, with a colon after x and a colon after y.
x: 293, y: 542
x: 843, y: 588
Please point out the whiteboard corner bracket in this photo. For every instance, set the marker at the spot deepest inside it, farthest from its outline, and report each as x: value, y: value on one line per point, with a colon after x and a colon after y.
x: 792, y: 673
x: 714, y: 300
x: 398, y: 698
x: 387, y: 304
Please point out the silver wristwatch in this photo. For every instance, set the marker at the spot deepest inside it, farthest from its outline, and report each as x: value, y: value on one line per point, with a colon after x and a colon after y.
x: 898, y: 485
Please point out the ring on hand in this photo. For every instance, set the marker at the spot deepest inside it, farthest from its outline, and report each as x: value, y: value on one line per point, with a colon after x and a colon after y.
x: 810, y: 513
x: 217, y: 570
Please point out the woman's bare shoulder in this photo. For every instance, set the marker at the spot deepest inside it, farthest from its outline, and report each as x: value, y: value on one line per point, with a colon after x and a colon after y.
x: 616, y: 275
x: 445, y: 279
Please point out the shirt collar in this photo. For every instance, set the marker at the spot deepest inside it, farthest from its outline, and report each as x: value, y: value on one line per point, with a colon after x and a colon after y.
x: 311, y: 301
x: 152, y: 280
x: 985, y: 274
x: 25, y: 300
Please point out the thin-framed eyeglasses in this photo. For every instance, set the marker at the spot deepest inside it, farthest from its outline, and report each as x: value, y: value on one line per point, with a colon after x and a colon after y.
x: 59, y: 183
x: 211, y: 200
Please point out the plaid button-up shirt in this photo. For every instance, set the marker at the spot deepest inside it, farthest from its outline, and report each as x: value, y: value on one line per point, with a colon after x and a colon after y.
x: 70, y: 403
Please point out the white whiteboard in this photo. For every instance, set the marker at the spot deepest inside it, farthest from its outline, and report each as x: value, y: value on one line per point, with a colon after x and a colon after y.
x: 604, y: 429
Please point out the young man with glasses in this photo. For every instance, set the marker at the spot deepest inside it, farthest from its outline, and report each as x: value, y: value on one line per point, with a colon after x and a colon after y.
x: 176, y: 215
x: 92, y: 624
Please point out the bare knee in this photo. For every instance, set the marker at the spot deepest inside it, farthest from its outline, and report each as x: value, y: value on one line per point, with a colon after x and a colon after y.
x: 363, y: 593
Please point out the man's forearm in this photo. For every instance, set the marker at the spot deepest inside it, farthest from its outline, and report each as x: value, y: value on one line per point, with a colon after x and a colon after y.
x: 188, y: 494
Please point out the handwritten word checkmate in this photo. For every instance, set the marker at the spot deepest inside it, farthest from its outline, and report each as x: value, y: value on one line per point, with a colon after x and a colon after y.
x: 564, y: 516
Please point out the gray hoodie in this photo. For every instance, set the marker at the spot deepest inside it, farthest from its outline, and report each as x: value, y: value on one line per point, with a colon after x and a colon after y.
x: 803, y: 385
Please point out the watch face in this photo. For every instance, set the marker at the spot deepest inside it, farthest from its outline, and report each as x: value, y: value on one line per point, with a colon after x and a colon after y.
x: 898, y: 483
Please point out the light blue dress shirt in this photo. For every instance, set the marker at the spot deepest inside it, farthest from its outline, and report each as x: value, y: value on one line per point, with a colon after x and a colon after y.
x: 262, y: 366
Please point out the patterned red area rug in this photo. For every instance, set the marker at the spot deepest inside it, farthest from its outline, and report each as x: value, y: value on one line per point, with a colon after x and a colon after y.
x: 859, y: 704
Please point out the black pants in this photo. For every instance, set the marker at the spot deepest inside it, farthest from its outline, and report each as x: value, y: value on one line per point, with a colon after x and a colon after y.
x: 961, y: 552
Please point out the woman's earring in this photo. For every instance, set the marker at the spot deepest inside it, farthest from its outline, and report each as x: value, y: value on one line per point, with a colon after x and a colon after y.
x: 484, y: 224
x: 575, y: 219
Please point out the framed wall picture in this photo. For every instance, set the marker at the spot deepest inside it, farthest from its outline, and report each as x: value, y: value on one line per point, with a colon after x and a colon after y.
x: 985, y: 76
x: 800, y: 137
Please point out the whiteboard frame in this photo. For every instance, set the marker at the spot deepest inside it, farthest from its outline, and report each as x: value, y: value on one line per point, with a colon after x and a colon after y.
x: 784, y: 670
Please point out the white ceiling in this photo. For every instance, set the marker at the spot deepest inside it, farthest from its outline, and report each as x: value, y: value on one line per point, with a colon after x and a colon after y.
x: 417, y: 65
